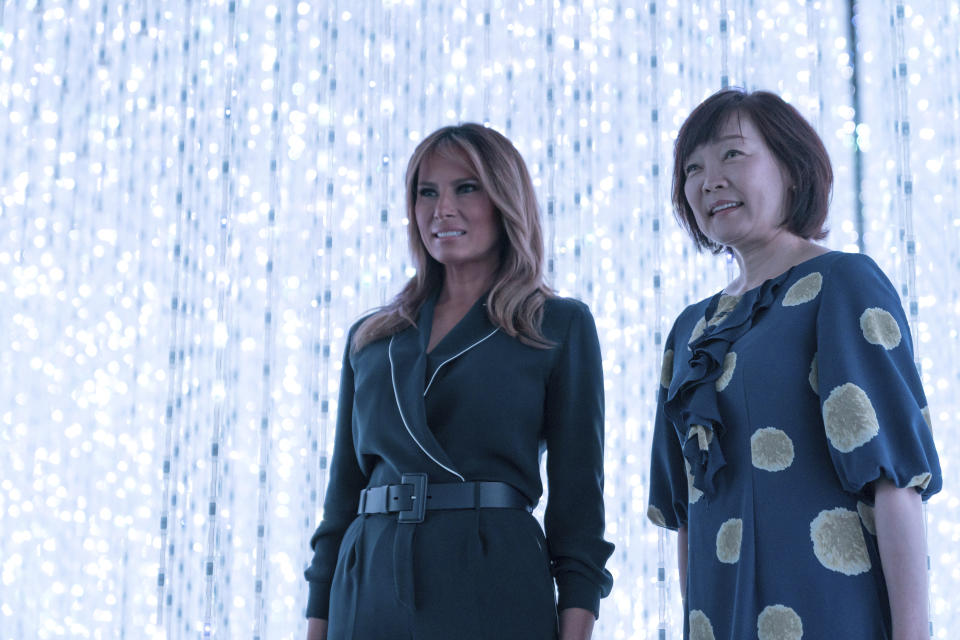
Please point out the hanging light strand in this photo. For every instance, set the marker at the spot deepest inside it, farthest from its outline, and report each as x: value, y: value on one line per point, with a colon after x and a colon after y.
x: 657, y: 224
x: 904, y: 199
x: 223, y: 340
x: 175, y: 361
x: 266, y: 402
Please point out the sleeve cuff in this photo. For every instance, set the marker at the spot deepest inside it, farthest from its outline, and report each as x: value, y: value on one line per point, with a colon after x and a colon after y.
x: 577, y: 591
x: 318, y: 601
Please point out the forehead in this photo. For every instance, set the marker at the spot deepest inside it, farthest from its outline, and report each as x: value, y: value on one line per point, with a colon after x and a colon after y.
x: 445, y: 162
x: 737, y: 125
x: 733, y: 126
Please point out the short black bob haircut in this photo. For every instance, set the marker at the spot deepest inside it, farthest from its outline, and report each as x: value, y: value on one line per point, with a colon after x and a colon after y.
x: 789, y: 136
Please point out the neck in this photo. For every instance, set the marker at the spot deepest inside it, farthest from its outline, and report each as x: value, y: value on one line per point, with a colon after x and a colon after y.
x: 769, y: 259
x: 462, y: 286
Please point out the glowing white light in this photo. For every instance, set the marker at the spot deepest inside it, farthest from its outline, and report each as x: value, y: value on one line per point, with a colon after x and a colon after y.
x: 192, y: 222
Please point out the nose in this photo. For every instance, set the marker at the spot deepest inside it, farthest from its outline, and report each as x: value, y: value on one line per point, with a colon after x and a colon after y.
x: 445, y: 204
x: 713, y: 179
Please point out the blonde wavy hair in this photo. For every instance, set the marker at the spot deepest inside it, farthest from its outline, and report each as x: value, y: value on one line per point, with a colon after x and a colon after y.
x: 515, y: 302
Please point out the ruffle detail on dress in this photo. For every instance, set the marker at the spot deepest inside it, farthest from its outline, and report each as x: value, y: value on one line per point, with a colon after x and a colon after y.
x: 691, y: 402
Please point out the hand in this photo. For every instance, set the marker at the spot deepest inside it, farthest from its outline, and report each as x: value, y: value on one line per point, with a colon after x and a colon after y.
x: 316, y: 629
x: 576, y: 624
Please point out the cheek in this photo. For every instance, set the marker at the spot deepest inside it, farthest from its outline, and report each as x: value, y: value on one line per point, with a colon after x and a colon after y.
x: 423, y: 222
x: 690, y: 191
x: 489, y: 218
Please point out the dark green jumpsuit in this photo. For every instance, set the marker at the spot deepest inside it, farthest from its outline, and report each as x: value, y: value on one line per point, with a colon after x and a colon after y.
x: 480, y: 406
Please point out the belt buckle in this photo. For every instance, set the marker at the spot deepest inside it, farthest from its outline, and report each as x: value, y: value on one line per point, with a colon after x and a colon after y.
x: 418, y: 500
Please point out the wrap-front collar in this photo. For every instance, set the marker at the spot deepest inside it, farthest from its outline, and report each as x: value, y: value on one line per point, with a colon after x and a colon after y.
x: 408, y: 366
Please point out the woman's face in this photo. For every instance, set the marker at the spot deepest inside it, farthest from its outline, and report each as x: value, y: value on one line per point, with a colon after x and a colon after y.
x: 736, y: 187
x: 458, y: 223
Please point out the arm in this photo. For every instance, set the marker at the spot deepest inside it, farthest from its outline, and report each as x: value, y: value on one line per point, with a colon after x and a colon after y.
x: 573, y: 430
x: 316, y: 629
x: 346, y: 480
x: 575, y: 624
x: 903, y: 552
x: 682, y: 560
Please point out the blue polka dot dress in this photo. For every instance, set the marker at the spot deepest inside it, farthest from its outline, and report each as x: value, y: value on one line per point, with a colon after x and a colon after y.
x: 777, y: 410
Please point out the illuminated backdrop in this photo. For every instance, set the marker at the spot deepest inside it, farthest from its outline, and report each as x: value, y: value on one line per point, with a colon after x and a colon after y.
x: 198, y: 198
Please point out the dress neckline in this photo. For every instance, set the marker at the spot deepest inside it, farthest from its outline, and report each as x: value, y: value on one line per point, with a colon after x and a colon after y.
x: 723, y: 292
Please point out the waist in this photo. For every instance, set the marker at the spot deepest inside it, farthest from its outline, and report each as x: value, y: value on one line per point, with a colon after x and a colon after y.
x: 414, y: 496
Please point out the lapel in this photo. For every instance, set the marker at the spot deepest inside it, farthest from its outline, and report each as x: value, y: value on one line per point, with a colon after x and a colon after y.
x: 407, y: 352
x: 474, y: 328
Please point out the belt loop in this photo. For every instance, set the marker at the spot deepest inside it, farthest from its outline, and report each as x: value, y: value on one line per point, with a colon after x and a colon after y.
x: 363, y: 502
x: 476, y: 496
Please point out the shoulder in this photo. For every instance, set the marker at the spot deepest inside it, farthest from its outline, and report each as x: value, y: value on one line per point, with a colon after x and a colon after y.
x: 855, y: 272
x: 689, y: 321
x: 352, y: 332
x: 562, y: 315
x: 840, y: 262
x: 693, y: 313
x: 568, y: 308
x: 359, y: 323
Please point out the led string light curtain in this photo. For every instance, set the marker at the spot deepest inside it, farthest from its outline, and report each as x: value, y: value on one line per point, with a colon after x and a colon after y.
x: 198, y: 198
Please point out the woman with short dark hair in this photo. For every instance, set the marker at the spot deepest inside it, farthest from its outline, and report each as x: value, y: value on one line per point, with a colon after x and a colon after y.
x: 792, y: 445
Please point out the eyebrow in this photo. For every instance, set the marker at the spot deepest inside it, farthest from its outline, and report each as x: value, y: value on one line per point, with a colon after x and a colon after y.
x: 731, y: 136
x: 457, y: 182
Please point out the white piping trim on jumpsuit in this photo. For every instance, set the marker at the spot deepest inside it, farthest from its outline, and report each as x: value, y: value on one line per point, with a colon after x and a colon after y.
x: 396, y: 396
x: 437, y: 370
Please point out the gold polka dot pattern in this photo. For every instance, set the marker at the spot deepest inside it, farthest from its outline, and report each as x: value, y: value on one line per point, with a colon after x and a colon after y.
x: 880, y: 328
x: 693, y: 494
x: 700, y: 627
x: 779, y: 622
x: 814, y: 377
x: 867, y: 517
x: 729, y: 539
x: 838, y: 541
x: 725, y: 305
x: 703, y: 435
x: 803, y: 290
x: 697, y: 330
x: 666, y: 369
x: 729, y: 364
x: 849, y: 418
x: 771, y: 449
x: 656, y: 516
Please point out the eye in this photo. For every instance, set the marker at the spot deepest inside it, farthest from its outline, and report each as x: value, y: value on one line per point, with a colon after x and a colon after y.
x: 730, y: 153
x: 426, y: 192
x: 468, y: 187
x: 690, y: 168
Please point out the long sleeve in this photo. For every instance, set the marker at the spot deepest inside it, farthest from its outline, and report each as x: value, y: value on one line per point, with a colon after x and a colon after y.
x: 574, y: 425
x: 346, y: 481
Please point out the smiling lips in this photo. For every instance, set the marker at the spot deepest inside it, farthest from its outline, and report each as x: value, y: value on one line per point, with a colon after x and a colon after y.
x: 448, y: 234
x: 723, y: 205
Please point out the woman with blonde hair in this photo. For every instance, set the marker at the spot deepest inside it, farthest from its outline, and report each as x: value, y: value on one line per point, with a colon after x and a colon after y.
x: 448, y: 397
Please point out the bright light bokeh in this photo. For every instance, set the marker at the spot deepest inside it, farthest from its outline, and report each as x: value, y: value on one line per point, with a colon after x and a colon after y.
x: 198, y: 198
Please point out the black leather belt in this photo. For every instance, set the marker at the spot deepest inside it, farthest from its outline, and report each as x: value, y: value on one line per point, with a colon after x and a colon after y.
x: 410, y: 499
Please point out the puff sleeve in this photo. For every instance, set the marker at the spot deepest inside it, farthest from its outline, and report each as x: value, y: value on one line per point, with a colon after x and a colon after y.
x: 667, y: 501
x: 573, y: 419
x: 874, y: 410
